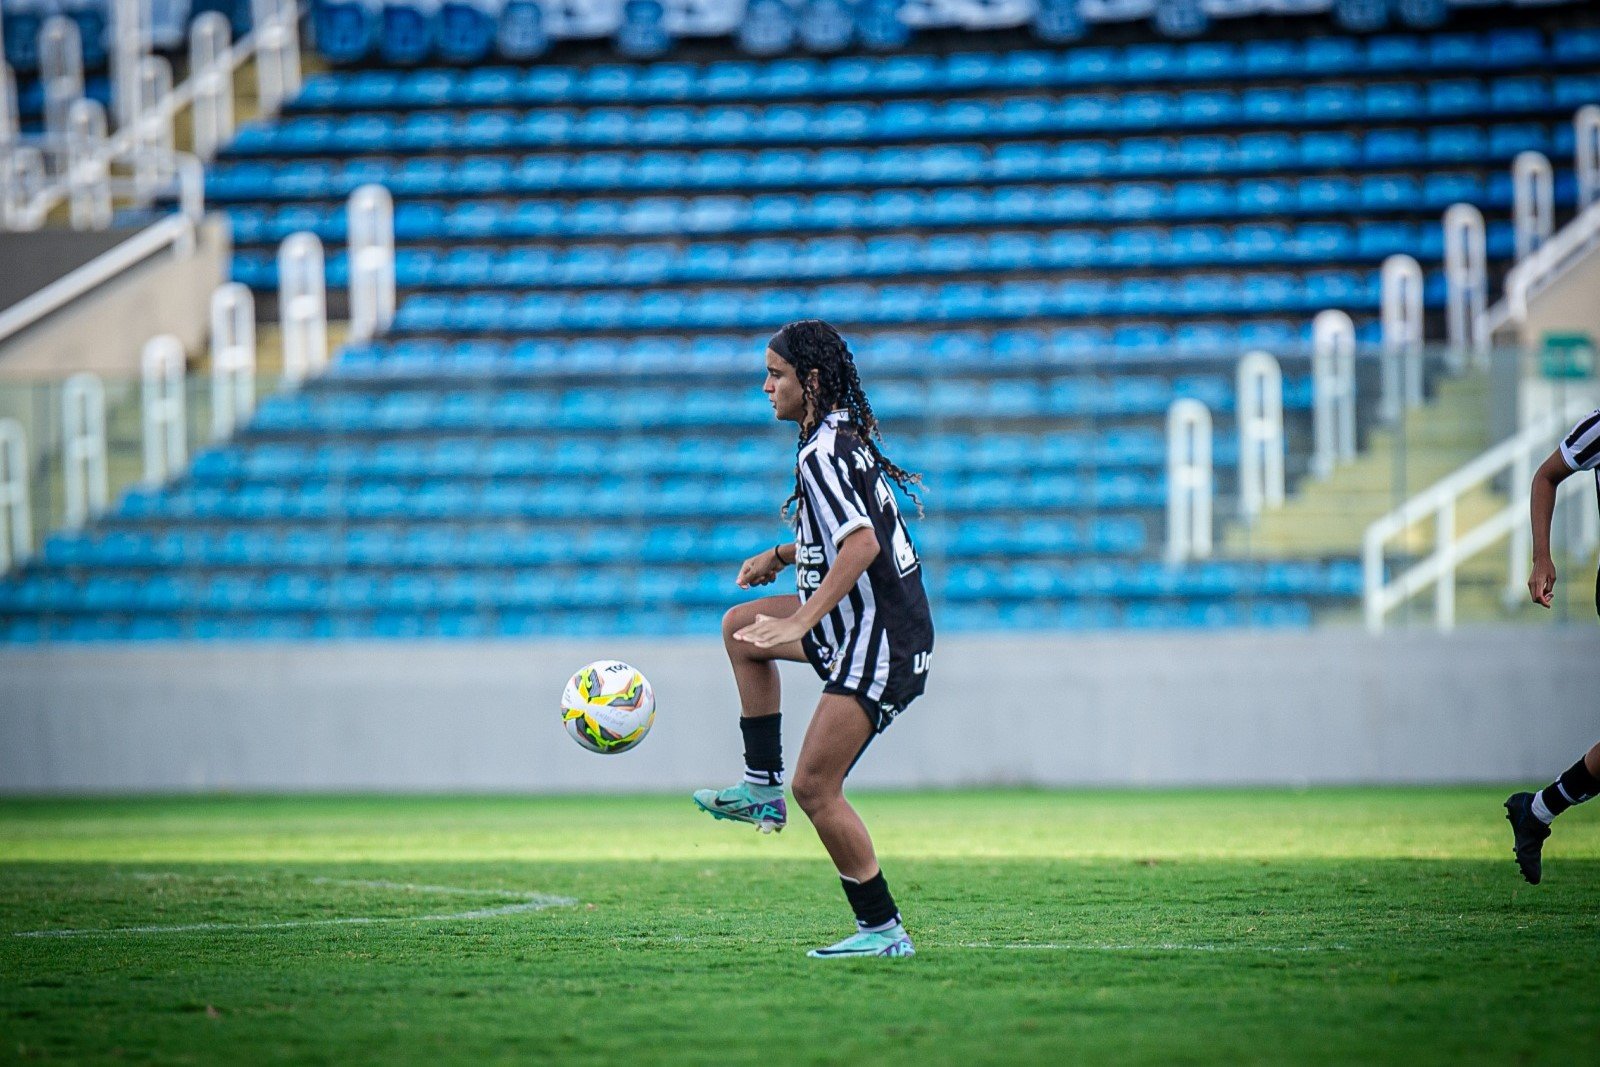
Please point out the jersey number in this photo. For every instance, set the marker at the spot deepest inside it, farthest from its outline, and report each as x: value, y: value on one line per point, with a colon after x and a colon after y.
x: 905, y: 556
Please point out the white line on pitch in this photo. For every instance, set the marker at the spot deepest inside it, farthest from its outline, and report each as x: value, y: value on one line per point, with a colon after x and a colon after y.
x: 526, y: 902
x: 364, y: 883
x: 1164, y: 946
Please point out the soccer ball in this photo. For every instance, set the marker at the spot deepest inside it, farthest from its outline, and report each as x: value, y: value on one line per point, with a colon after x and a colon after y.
x: 608, y: 707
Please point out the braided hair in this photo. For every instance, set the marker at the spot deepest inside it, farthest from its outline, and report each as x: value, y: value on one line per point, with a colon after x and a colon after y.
x: 827, y: 371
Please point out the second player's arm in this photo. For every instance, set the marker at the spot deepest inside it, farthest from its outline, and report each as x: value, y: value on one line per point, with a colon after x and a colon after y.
x: 1541, y: 506
x: 855, y: 555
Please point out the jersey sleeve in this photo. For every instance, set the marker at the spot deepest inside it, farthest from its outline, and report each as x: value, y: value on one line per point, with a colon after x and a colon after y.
x: 834, y: 496
x: 1581, y: 447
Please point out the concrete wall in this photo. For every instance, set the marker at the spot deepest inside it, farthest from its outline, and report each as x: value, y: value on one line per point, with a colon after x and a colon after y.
x: 105, y: 331
x: 1567, y: 305
x: 1330, y: 706
x: 31, y: 260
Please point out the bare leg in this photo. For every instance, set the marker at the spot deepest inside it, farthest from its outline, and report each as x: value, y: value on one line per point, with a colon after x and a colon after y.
x: 833, y: 740
x: 754, y: 669
x: 1591, y: 760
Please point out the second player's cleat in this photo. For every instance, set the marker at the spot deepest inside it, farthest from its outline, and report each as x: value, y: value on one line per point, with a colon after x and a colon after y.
x: 1529, y: 835
x: 762, y: 806
x: 892, y: 942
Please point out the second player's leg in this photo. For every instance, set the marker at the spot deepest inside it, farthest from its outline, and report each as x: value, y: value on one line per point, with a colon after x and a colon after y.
x: 838, y: 731
x: 755, y: 669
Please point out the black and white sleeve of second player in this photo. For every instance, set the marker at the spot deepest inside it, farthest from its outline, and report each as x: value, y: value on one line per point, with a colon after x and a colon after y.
x: 1581, y: 447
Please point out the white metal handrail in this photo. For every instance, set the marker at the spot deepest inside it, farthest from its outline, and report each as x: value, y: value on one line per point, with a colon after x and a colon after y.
x: 175, y: 231
x: 1189, y: 480
x: 16, y: 522
x: 280, y: 35
x: 1438, y: 503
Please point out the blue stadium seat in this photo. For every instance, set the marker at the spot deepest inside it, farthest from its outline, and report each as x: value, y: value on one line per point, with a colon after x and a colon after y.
x: 1274, y: 58
x: 1508, y: 139
x: 1576, y: 45
x: 1394, y: 100
x: 1517, y: 48
x: 1267, y: 151
x: 1330, y: 103
x: 1455, y: 144
x: 1393, y: 147
x: 1270, y: 106
x: 1520, y: 94
x: 1576, y: 90
x: 1455, y: 51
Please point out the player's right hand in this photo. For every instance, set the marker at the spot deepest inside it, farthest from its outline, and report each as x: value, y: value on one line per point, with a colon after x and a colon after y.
x: 1542, y: 582
x: 759, y: 569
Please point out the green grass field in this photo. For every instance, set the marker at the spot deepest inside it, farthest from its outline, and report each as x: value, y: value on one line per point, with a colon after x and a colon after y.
x: 1327, y: 926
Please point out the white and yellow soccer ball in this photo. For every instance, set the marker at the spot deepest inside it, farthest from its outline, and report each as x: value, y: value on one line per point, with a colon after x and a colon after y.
x: 608, y: 707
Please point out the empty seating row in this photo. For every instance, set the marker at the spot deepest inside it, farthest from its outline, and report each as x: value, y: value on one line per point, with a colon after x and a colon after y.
x: 1331, y: 104
x: 524, y: 457
x: 770, y: 260
x: 659, y: 620
x: 1081, y: 203
x: 967, y: 163
x: 600, y: 586
x: 484, y: 545
x: 1314, y: 57
x: 644, y: 407
x: 587, y: 500
x: 652, y: 620
x: 878, y: 352
x: 1098, y: 615
x: 730, y: 308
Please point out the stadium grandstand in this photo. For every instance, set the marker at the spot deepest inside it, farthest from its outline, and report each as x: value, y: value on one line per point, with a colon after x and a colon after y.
x: 398, y: 399
x: 1128, y: 281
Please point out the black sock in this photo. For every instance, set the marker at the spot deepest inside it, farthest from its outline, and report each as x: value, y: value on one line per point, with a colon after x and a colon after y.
x: 1574, y: 786
x: 763, y: 749
x: 871, y: 902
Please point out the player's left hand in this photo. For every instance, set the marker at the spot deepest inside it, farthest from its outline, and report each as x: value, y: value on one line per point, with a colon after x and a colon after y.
x: 767, y: 632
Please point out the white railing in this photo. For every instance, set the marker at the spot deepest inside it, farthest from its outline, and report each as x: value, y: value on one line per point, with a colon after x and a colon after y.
x: 10, y: 121
x: 83, y: 447
x: 147, y: 108
x: 302, y: 308
x: 16, y: 522
x: 1586, y: 153
x: 166, y: 427
x: 1466, y: 277
x: 1519, y: 455
x: 370, y: 255
x: 1533, y: 201
x: 60, y: 71
x: 1189, y: 481
x: 1258, y: 410
x: 1333, y: 392
x: 1401, y: 320
x: 233, y: 358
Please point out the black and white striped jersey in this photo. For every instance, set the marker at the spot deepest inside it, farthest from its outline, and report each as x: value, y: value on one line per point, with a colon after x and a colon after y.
x: 1581, y: 450
x: 881, y: 630
x: 1581, y: 447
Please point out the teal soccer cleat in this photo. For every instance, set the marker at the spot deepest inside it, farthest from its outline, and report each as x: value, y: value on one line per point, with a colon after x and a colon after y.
x: 762, y: 806
x: 892, y: 942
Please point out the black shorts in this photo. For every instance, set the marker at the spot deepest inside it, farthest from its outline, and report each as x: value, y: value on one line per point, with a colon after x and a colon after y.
x: 908, y: 676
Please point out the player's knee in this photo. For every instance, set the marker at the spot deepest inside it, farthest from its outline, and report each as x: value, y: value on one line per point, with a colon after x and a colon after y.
x: 735, y: 619
x: 812, y: 791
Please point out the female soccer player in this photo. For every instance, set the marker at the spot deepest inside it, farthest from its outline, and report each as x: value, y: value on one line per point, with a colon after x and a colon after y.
x: 861, y: 620
x: 1532, y: 813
